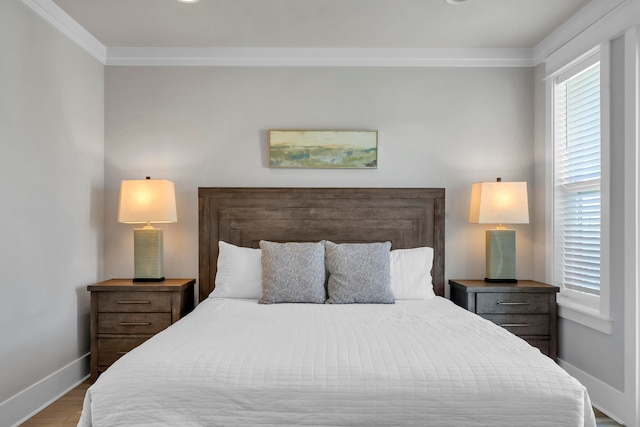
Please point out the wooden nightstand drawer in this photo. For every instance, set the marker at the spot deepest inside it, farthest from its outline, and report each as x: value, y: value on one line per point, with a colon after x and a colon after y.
x: 124, y: 314
x: 521, y: 324
x: 133, y: 323
x: 509, y: 302
x: 526, y: 308
x: 138, y: 302
x: 111, y: 349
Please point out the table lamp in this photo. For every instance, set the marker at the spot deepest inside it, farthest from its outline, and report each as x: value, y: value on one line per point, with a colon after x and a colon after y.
x: 147, y: 201
x: 499, y: 203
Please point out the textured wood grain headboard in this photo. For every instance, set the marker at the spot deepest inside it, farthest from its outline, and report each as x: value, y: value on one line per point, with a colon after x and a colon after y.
x: 407, y: 217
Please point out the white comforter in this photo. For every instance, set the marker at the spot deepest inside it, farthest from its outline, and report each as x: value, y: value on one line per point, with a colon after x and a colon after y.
x: 413, y: 363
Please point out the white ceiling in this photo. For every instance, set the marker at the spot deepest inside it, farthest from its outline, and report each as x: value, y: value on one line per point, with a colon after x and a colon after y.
x: 321, y: 23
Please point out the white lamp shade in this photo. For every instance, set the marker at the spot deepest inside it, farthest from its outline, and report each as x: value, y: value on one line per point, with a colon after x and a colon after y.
x: 499, y: 203
x: 147, y: 200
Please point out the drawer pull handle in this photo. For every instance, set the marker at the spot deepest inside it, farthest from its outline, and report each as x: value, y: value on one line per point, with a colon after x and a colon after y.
x: 135, y: 323
x: 123, y: 352
x: 134, y: 302
x: 512, y: 303
x: 507, y: 325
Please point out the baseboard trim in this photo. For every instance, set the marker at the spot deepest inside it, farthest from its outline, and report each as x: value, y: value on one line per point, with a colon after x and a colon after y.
x: 610, y: 401
x: 22, y: 406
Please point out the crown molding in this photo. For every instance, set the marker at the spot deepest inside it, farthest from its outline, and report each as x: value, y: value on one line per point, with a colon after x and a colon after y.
x: 621, y: 16
x: 254, y: 57
x: 595, y: 11
x: 57, y: 17
x: 585, y: 18
x: 318, y: 57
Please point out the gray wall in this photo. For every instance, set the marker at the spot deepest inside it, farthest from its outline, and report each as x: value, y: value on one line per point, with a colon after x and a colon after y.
x: 199, y: 126
x: 51, y: 192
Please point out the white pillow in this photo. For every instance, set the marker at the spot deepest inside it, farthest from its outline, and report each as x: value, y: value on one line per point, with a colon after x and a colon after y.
x: 411, y: 273
x: 239, y: 272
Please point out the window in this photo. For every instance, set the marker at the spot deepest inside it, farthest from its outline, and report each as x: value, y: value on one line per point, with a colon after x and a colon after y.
x: 580, y: 206
x: 577, y: 174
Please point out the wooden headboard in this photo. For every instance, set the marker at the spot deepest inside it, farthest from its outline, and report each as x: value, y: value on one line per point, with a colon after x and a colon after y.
x: 407, y: 217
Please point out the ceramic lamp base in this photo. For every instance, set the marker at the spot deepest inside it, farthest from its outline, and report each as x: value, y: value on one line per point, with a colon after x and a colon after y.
x: 501, y: 255
x: 147, y: 243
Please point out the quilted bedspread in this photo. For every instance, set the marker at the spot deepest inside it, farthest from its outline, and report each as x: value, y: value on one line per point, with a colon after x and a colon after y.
x: 413, y: 363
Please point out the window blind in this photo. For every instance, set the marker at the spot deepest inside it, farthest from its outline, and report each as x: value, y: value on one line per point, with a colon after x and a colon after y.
x: 577, y: 173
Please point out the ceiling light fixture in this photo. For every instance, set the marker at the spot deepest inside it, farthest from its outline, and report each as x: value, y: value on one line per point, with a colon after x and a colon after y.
x: 457, y: 1
x: 188, y: 1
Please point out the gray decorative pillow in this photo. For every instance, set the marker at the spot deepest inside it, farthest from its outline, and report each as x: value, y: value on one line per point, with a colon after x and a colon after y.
x: 359, y: 273
x: 292, y: 272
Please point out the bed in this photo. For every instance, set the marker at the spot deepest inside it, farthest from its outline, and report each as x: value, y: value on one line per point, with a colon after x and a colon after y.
x: 413, y: 361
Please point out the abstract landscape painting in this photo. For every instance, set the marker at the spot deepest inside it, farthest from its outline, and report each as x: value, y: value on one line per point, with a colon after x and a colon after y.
x: 323, y: 149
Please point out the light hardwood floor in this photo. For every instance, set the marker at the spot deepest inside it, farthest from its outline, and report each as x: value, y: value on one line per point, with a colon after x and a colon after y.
x: 65, y: 412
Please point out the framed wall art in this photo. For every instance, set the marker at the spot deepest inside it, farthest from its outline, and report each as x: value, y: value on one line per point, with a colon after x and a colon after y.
x: 323, y: 149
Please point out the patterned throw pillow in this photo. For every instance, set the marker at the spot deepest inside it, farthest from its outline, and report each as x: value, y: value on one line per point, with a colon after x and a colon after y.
x: 292, y: 272
x: 359, y: 273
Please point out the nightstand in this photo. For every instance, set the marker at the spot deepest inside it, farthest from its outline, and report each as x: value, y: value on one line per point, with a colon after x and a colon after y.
x: 526, y: 308
x: 125, y: 314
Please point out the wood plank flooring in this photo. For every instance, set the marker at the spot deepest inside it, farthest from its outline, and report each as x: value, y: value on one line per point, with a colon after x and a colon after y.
x: 65, y: 412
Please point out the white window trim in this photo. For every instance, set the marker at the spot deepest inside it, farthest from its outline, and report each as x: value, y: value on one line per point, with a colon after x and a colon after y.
x: 592, y: 311
x: 572, y: 306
